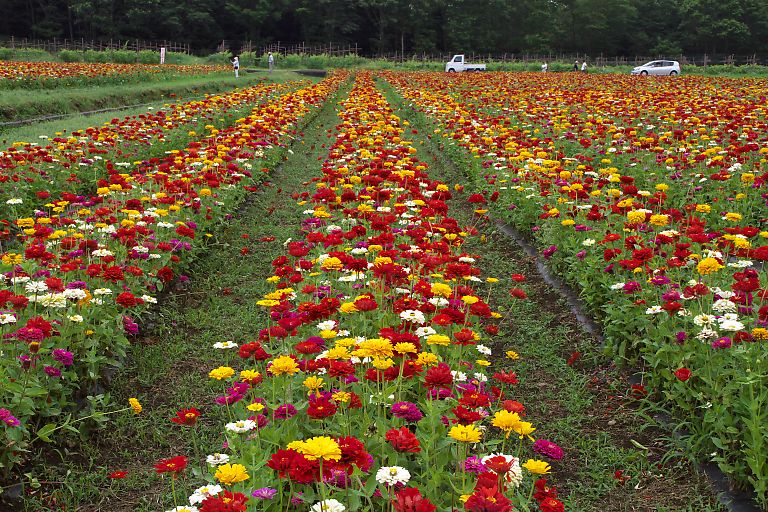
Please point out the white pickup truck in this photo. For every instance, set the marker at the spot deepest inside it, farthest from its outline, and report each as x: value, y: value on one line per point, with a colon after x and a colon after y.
x: 457, y: 63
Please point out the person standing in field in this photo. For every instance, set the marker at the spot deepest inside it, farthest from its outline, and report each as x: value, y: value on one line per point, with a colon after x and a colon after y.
x: 584, y: 67
x: 236, y: 66
x: 544, y: 67
x: 271, y: 61
x: 576, y: 65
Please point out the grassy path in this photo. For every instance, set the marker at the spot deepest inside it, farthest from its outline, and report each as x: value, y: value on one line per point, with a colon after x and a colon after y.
x: 587, y: 400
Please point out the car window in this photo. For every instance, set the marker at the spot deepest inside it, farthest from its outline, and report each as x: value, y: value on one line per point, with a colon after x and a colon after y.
x: 457, y: 59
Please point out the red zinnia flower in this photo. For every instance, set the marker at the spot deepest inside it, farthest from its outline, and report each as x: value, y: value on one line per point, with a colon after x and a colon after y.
x: 225, y: 502
x: 518, y: 293
x: 403, y: 440
x: 186, y: 417
x: 506, y: 377
x: 683, y: 374
x: 118, y: 474
x: 173, y: 465
x: 411, y: 500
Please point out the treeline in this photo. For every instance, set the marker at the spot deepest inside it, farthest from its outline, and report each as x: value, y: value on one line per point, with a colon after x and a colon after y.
x: 610, y: 27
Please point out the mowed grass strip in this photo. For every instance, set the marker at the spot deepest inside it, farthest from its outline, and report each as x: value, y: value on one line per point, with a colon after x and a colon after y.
x: 566, y: 378
x: 169, y: 363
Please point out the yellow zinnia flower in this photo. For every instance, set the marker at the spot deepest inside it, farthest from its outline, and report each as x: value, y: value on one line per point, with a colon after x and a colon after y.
x: 230, y: 474
x: 708, y: 266
x: 438, y: 339
x: 375, y: 347
x: 135, y: 405
x: 465, y: 433
x: 506, y: 421
x: 537, y: 467
x: 321, y: 447
x: 284, y: 365
x: 222, y: 372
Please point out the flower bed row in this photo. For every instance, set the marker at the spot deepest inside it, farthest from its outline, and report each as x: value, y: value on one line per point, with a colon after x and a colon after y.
x: 371, y: 385
x: 15, y: 74
x: 70, y: 299
x: 663, y: 229
x: 30, y: 171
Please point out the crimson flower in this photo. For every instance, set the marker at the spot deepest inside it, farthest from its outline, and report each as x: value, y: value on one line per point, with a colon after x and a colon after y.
x: 411, y: 500
x: 225, y: 502
x: 186, y: 417
x: 118, y: 474
x: 683, y: 374
x: 173, y: 465
x: 403, y: 440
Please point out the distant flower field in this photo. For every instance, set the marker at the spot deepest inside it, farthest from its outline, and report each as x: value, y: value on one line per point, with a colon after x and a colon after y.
x: 17, y: 74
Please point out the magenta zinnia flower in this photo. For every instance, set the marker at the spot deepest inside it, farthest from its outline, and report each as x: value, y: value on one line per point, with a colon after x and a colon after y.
x: 548, y: 449
x: 8, y: 418
x: 408, y: 411
x: 285, y: 411
x: 265, y: 493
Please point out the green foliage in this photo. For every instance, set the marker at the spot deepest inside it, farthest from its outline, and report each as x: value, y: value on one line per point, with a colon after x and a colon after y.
x: 24, y: 54
x: 616, y: 27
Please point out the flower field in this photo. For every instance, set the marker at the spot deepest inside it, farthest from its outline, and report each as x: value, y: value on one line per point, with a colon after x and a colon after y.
x: 650, y: 197
x: 371, y: 384
x: 18, y: 74
x: 380, y: 373
x: 86, y: 269
x: 67, y: 163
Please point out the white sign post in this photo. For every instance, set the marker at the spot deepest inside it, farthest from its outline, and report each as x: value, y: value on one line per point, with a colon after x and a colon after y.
x: 162, y: 55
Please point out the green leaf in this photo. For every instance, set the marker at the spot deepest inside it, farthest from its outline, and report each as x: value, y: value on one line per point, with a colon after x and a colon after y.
x: 46, y: 431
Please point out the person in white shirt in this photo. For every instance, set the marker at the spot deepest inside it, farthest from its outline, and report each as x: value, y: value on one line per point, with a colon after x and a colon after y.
x: 584, y: 67
x: 271, y: 61
x: 236, y: 66
x: 544, y: 67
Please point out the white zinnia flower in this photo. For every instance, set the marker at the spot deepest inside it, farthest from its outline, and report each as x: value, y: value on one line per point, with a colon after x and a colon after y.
x: 75, y: 294
x: 392, y: 475
x: 52, y: 300
x: 330, y: 505
x: 703, y: 319
x: 328, y: 325
x: 654, y: 310
x: 225, y: 344
x: 7, y: 318
x: 241, y: 426
x: 731, y: 325
x: 36, y: 287
x: 423, y: 332
x: 723, y: 306
x: 203, y: 492
x: 217, y: 459
x: 413, y: 316
x: 484, y: 350
x: 183, y: 508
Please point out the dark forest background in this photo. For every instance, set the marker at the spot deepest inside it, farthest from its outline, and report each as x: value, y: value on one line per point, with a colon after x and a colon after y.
x: 610, y: 27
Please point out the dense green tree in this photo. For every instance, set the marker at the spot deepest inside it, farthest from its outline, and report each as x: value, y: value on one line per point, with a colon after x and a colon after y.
x: 594, y: 27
